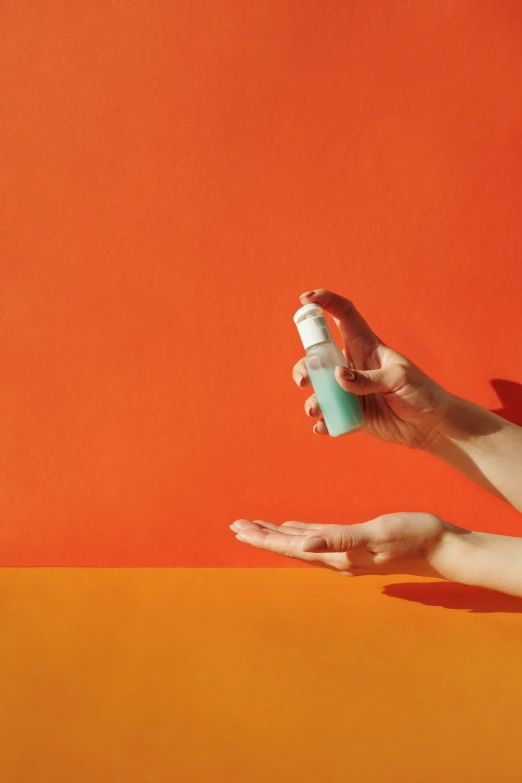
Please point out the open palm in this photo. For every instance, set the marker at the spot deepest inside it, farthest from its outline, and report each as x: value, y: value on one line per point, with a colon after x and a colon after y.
x: 403, y: 543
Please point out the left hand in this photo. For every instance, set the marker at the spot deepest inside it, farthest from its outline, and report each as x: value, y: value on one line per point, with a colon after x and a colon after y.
x: 403, y: 543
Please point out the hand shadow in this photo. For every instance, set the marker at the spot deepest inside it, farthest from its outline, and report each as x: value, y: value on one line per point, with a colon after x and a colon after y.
x: 510, y: 395
x: 451, y: 595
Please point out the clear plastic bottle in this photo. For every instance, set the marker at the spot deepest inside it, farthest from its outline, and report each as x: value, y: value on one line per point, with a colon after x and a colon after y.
x: 342, y: 411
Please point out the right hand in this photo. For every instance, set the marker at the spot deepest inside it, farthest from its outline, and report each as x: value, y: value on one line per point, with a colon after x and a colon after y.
x: 401, y: 403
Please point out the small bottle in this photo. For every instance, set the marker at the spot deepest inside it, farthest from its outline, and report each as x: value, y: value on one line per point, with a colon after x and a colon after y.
x: 342, y: 411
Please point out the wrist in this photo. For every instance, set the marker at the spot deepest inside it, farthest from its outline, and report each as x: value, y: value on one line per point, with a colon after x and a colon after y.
x: 481, y: 560
x: 460, y: 420
x: 456, y: 556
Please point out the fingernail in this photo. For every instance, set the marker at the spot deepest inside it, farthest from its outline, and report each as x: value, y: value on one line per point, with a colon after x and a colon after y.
x: 346, y: 373
x: 299, y: 379
x: 308, y: 411
x: 239, y: 524
x: 315, y: 544
x: 307, y: 295
x: 315, y: 431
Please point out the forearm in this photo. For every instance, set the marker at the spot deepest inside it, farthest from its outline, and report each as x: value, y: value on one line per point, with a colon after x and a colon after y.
x: 484, y: 447
x: 481, y: 560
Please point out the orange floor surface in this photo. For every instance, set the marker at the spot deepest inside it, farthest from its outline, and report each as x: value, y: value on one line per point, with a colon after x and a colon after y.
x: 154, y: 676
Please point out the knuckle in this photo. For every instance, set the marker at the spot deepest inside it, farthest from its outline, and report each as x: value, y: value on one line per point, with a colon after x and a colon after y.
x: 299, y: 368
x: 290, y: 550
x: 400, y: 375
x: 311, y: 407
x: 381, y: 528
x: 365, y: 379
x: 387, y: 527
x: 339, y: 538
x: 346, y: 541
x: 347, y: 306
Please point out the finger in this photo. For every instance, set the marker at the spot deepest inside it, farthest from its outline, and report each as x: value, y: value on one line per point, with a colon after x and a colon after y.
x: 281, y: 544
x: 382, y: 381
x: 299, y: 529
x: 362, y: 383
x: 340, y: 538
x: 292, y: 529
x: 289, y: 529
x: 358, y: 337
x: 290, y: 544
x: 312, y: 408
x: 246, y: 524
x: 320, y: 428
x: 300, y: 374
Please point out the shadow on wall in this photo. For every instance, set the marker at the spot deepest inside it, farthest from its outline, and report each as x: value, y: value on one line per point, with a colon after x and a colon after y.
x: 451, y: 595
x: 510, y: 395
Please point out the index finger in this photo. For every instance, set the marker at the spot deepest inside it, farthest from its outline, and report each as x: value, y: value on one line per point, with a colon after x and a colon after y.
x: 354, y: 329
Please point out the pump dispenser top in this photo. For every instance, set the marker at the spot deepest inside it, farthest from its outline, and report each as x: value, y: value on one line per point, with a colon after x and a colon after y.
x: 312, y: 325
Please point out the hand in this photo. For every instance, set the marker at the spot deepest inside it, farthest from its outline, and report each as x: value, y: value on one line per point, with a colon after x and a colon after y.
x: 401, y: 403
x: 405, y: 543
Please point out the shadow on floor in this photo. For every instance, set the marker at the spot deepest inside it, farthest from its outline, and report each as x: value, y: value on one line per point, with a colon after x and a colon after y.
x: 455, y: 596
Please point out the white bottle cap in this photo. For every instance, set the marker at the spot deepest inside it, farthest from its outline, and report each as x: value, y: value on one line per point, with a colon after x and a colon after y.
x: 312, y: 325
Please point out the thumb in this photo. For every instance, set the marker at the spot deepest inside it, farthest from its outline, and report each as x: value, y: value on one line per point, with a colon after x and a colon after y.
x: 338, y: 538
x: 362, y: 381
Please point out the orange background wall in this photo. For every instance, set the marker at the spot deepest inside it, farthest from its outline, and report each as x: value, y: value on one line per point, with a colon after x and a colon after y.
x: 173, y: 175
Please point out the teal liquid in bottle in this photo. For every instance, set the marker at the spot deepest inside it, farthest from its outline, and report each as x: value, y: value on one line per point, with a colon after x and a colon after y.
x: 342, y: 411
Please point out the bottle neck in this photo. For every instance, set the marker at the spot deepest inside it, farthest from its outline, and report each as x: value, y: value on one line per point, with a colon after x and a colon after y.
x: 314, y: 331
x: 316, y: 345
